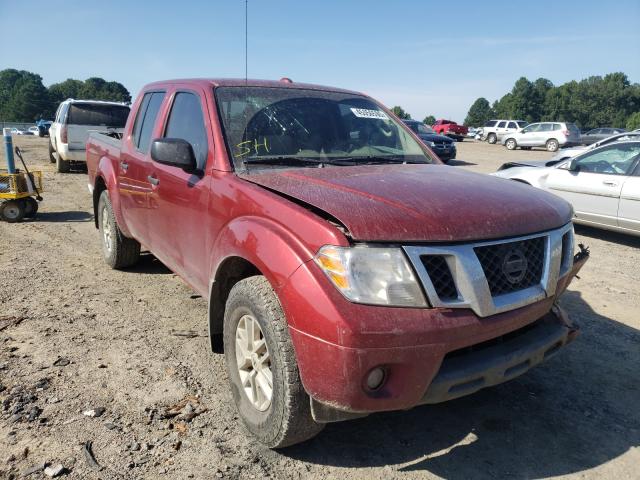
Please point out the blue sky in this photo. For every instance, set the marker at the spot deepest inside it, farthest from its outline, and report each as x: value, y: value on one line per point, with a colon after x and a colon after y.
x: 430, y: 59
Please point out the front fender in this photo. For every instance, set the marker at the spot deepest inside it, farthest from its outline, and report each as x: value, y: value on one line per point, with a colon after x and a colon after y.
x: 268, y: 245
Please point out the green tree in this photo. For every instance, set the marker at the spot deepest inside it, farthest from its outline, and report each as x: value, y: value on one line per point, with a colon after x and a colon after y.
x: 479, y: 112
x: 23, y: 97
x: 70, y: 88
x: 429, y: 120
x: 633, y: 121
x: 400, y: 113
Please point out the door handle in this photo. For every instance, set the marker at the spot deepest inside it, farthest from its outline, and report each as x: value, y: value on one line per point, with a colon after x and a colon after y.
x: 124, y: 165
x: 609, y: 183
x: 153, y: 180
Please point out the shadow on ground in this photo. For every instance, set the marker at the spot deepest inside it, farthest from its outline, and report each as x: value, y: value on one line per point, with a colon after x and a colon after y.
x: 149, y: 264
x: 71, y: 216
x: 608, y: 236
x: 575, y: 412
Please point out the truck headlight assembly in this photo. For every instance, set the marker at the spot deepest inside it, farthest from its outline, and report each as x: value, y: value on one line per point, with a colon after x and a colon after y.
x: 371, y: 275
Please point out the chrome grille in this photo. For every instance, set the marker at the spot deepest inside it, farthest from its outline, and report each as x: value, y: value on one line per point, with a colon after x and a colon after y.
x: 440, y: 275
x: 469, y: 275
x: 505, y: 275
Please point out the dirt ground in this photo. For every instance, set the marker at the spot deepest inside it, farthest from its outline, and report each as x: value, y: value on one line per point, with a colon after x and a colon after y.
x: 77, y: 336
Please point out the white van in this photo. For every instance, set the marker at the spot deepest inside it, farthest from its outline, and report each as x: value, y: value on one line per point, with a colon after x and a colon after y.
x: 72, y: 124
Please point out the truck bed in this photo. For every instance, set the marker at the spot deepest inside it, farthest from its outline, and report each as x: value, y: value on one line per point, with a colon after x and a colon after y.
x: 99, y: 146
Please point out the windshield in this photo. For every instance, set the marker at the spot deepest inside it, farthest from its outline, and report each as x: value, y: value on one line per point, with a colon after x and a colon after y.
x: 422, y: 128
x: 262, y: 124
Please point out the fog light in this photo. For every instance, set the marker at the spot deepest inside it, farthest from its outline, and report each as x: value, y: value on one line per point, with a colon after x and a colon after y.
x: 375, y: 378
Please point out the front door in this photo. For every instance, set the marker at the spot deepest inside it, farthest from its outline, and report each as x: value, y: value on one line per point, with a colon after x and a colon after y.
x: 594, y: 182
x: 178, y: 204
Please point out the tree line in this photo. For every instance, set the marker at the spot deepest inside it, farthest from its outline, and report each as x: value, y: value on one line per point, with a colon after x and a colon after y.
x: 609, y: 101
x: 24, y: 98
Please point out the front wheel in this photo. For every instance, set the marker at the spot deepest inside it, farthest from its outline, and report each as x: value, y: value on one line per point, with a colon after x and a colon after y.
x: 511, y: 144
x: 264, y: 376
x: 12, y: 211
x: 552, y: 145
x: 118, y: 250
x: 491, y: 138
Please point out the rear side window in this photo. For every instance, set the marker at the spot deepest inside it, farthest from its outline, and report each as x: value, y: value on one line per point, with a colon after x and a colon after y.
x: 63, y: 112
x: 522, y: 124
x: 186, y: 121
x: 557, y: 126
x: 146, y: 119
x: 490, y: 123
x: 512, y: 125
x: 98, y: 115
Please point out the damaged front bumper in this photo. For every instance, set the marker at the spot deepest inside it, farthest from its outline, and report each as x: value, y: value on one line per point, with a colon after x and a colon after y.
x: 466, y: 370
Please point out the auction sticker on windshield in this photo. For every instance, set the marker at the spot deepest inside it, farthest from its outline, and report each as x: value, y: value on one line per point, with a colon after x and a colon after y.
x: 366, y: 113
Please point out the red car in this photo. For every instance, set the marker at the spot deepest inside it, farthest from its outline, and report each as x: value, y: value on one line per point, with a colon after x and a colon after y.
x: 450, y: 129
x: 348, y: 271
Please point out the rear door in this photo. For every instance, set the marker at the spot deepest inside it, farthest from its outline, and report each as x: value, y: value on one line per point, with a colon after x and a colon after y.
x: 501, y: 129
x: 629, y: 210
x: 83, y: 117
x: 594, y: 186
x: 179, y: 200
x: 133, y: 185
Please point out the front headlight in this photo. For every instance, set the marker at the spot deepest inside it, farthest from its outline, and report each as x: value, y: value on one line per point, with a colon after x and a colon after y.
x: 432, y: 144
x: 371, y: 275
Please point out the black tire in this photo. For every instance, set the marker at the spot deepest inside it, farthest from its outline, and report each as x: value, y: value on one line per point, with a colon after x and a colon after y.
x: 12, y: 211
x: 511, y: 144
x: 31, y: 207
x: 492, y: 138
x: 52, y: 150
x: 62, y: 166
x: 287, y: 420
x: 552, y: 145
x: 118, y: 250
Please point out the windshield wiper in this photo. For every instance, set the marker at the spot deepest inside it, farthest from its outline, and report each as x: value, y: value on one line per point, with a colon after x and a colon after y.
x: 291, y: 160
x: 377, y: 159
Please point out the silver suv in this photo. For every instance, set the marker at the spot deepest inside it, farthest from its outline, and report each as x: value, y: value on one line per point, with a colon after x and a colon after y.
x: 495, y: 130
x: 550, y: 135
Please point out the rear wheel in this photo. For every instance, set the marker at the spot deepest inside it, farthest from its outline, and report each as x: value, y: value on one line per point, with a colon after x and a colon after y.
x: 118, y: 250
x: 62, y: 166
x: 491, y: 138
x: 52, y: 157
x: 31, y: 207
x: 552, y: 145
x: 12, y: 211
x: 264, y: 376
x: 511, y: 144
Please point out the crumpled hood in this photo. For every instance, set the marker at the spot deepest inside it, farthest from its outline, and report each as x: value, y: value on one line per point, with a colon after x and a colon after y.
x: 419, y: 203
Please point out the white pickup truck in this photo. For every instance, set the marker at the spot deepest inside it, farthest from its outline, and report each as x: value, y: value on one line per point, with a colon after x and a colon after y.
x: 73, y: 122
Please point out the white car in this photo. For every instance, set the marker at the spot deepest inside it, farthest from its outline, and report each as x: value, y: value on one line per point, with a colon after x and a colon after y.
x: 571, y: 152
x: 602, y: 184
x: 495, y: 130
x: 33, y: 131
x: 74, y: 120
x: 17, y: 131
x: 550, y: 135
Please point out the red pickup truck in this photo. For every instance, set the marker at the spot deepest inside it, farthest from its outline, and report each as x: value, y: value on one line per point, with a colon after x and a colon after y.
x: 450, y: 129
x: 347, y: 270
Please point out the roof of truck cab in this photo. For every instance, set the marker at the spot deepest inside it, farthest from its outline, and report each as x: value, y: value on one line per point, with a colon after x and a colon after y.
x: 241, y: 82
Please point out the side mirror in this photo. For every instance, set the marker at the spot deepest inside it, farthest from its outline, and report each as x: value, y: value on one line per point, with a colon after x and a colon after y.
x: 574, y: 166
x: 175, y: 152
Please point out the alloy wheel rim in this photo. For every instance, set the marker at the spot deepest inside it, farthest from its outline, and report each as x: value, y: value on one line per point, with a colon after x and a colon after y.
x: 254, y: 363
x: 106, y: 229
